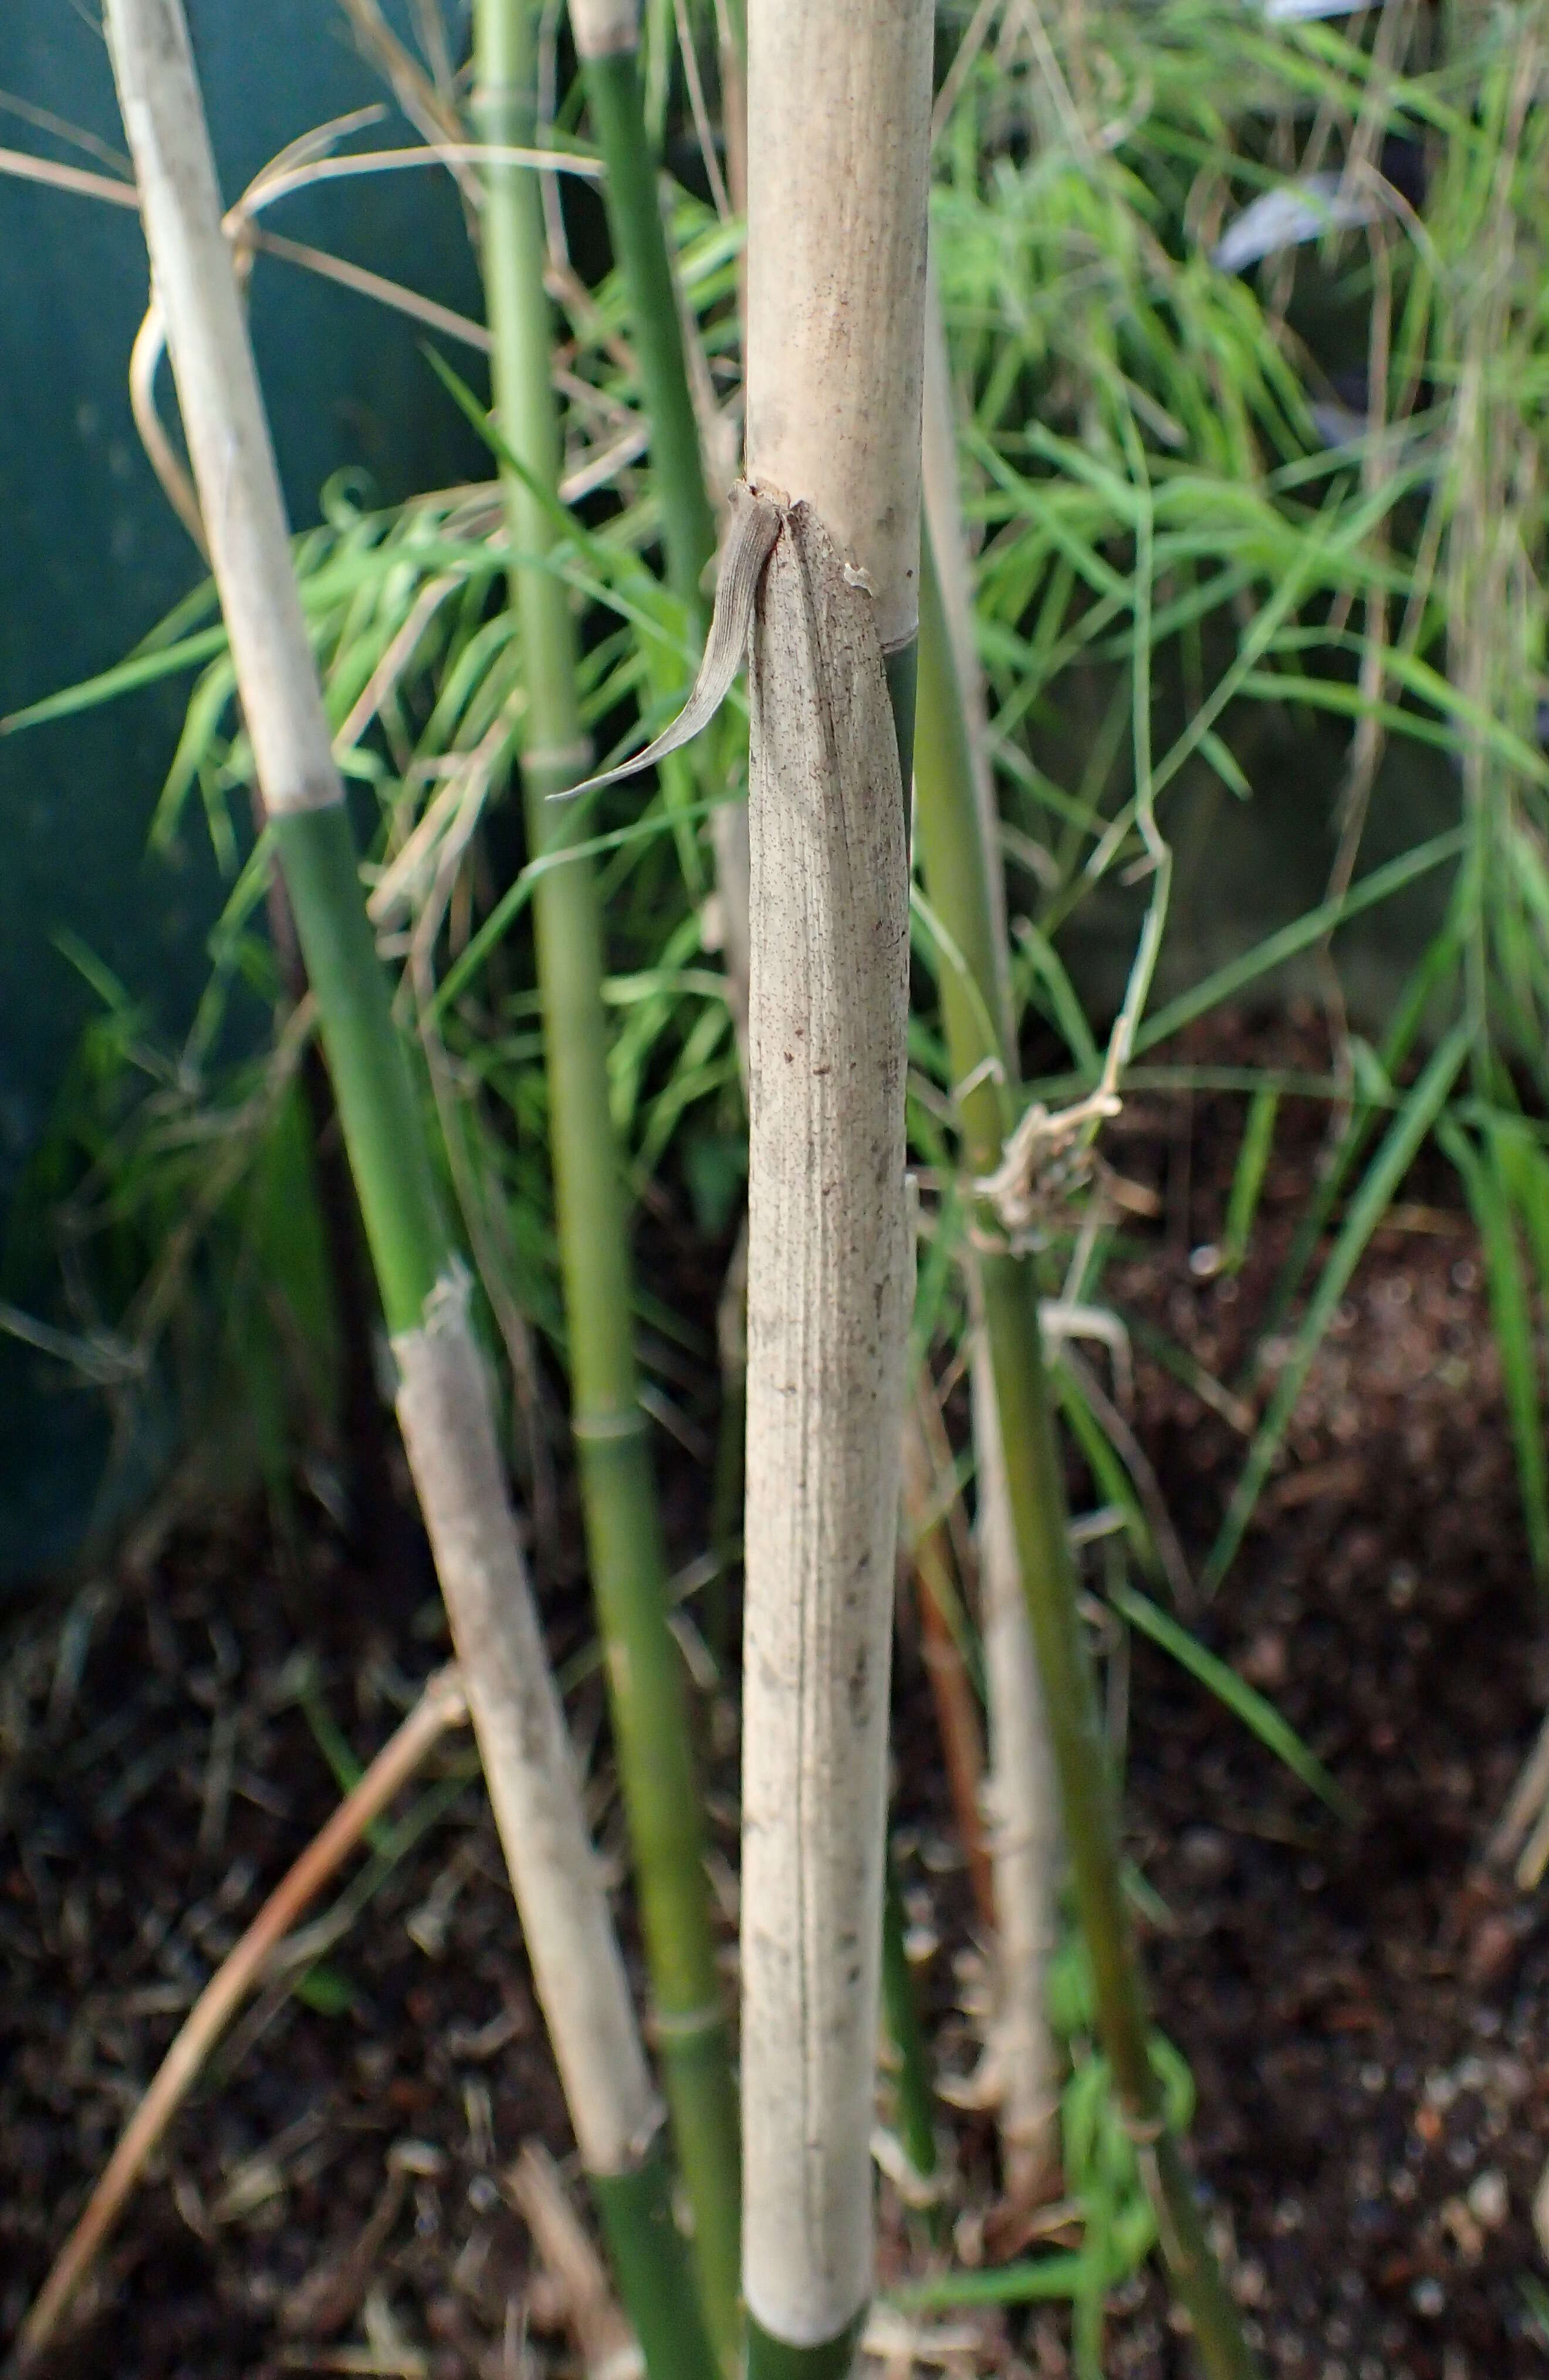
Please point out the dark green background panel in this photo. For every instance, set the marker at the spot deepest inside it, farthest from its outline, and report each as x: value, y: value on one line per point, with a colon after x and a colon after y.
x: 92, y: 556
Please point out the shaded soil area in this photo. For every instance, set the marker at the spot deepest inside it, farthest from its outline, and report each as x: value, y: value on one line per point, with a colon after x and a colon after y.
x: 1366, y: 2018
x: 1365, y: 2013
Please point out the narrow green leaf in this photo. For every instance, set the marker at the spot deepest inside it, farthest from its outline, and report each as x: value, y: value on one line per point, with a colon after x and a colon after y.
x: 1485, y: 1179
x: 1247, y: 1181
x: 1041, y: 2281
x: 325, y: 1988
x: 1388, y: 1168
x: 1312, y: 926
x: 1254, y: 1709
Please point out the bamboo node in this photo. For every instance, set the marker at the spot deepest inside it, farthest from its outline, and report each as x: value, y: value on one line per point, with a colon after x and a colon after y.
x: 1043, y: 1156
x: 603, y: 1429
x: 444, y: 1309
x: 670, y: 2027
x: 645, y: 2140
x: 558, y: 757
x: 605, y: 29
x: 311, y: 793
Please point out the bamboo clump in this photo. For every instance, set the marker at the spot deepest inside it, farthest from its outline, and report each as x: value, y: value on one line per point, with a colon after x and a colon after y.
x: 827, y: 543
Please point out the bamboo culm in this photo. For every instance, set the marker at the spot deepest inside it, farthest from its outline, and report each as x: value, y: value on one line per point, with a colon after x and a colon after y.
x: 838, y: 125
x: 647, y: 1684
x: 957, y: 882
x: 607, y: 42
x: 445, y: 1399
x: 607, y: 33
x: 954, y: 800
x: 914, y: 2101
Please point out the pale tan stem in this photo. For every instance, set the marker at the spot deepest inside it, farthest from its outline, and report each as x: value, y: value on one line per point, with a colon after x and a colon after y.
x: 445, y: 1412
x: 442, y: 1706
x: 837, y: 166
x: 1024, y: 1833
x: 828, y: 1277
x: 222, y: 413
x: 839, y: 109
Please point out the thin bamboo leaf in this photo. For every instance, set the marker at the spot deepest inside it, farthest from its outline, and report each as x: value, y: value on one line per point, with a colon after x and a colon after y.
x: 1245, y: 1703
x: 1371, y: 1202
x: 1248, y: 1175
x: 1486, y: 1182
x: 1305, y: 931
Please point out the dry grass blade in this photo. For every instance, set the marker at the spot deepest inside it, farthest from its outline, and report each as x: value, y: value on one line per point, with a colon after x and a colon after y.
x: 330, y: 2294
x: 440, y: 1707
x: 373, y: 284
x: 701, y: 114
x: 75, y: 178
x: 1128, y: 1447
x: 427, y: 108
x: 1521, y: 1833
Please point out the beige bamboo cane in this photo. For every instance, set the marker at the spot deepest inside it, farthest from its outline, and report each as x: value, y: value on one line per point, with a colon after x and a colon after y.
x: 837, y: 164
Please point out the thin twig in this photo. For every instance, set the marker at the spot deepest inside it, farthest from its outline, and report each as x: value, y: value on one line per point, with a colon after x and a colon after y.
x: 145, y: 358
x: 24, y: 167
x: 548, y: 107
x: 957, y: 1716
x: 430, y: 111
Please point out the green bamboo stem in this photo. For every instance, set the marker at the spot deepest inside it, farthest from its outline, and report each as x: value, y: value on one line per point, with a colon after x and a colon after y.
x: 913, y: 2102
x: 379, y: 1113
x: 616, y: 105
x: 608, y: 44
x: 953, y: 860
x: 624, y: 1535
x: 779, y: 2358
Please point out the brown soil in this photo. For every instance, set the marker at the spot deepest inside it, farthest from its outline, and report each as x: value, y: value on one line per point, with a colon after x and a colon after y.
x: 1367, y: 2023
